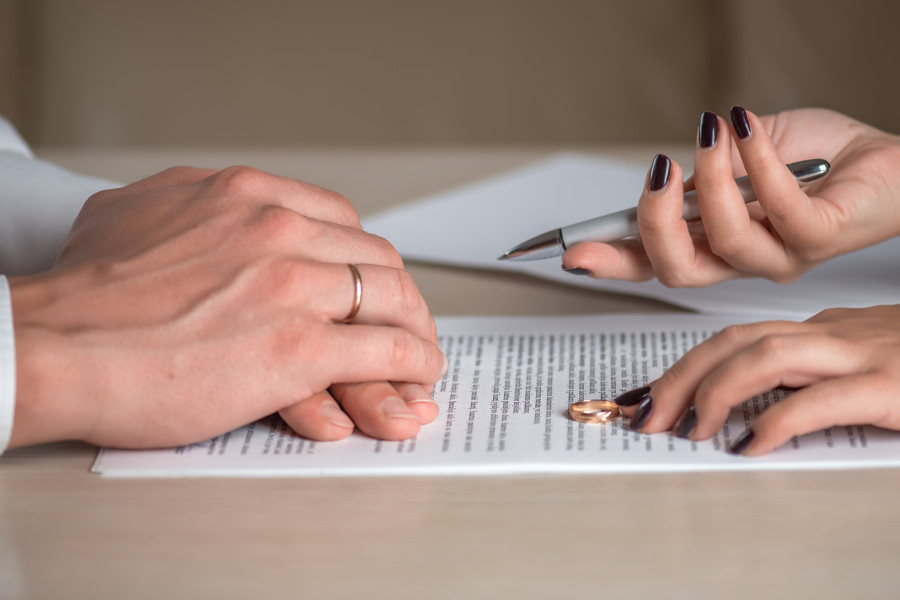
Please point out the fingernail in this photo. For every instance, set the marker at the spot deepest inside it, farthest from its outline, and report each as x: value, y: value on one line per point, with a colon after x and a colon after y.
x: 446, y: 366
x: 396, y: 408
x: 709, y: 130
x: 742, y: 442
x: 334, y: 415
x: 576, y: 271
x: 415, y: 394
x: 686, y: 423
x: 659, y: 172
x: 421, y: 400
x: 740, y: 122
x: 632, y: 397
x: 642, y: 413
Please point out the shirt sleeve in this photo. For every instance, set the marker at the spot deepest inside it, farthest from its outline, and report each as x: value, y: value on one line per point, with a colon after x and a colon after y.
x: 38, y: 202
x: 7, y: 366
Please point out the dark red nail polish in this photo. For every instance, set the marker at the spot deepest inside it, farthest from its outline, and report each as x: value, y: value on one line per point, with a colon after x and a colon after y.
x: 632, y: 397
x: 740, y: 122
x: 642, y: 413
x: 659, y: 172
x: 740, y: 444
x: 709, y: 130
x: 686, y: 423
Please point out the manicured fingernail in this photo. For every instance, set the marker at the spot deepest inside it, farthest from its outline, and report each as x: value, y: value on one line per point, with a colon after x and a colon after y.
x: 632, y: 397
x: 334, y: 415
x: 395, y: 408
x: 709, y: 130
x: 576, y: 271
x: 742, y: 442
x: 740, y: 122
x: 686, y: 423
x: 659, y: 172
x: 642, y: 413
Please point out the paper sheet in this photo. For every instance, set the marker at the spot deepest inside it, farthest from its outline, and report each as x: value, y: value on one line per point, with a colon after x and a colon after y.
x: 475, y: 224
x: 504, y: 404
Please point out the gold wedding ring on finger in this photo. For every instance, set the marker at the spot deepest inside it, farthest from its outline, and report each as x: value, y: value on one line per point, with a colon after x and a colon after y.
x: 357, y: 294
x: 594, y: 411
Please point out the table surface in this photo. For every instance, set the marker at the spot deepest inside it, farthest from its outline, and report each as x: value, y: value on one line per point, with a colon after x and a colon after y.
x: 65, y: 533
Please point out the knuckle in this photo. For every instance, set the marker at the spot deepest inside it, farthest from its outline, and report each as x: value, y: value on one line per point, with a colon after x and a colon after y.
x: 409, y: 299
x: 340, y: 209
x: 391, y: 256
x: 650, y: 221
x: 809, y: 253
x: 764, y: 163
x: 432, y: 329
x: 675, y: 374
x: 705, y: 395
x: 735, y: 335
x: 383, y: 252
x: 705, y: 178
x: 884, y: 385
x: 412, y: 354
x: 98, y: 200
x: 674, y: 278
x: 343, y: 208
x: 711, y: 399
x: 304, y: 343
x: 782, y: 211
x: 178, y: 173
x: 239, y: 181
x: 831, y: 314
x: 402, y: 349
x: 729, y: 246
x: 774, y: 346
x: 785, y: 276
x: 279, y: 225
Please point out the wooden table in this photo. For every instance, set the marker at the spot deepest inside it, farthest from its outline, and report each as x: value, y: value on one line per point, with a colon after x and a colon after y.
x: 65, y: 533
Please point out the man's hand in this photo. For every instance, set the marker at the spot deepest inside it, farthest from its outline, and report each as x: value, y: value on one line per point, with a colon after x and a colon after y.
x: 194, y: 302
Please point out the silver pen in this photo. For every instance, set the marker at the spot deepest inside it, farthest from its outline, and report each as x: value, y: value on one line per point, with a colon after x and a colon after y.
x: 623, y: 224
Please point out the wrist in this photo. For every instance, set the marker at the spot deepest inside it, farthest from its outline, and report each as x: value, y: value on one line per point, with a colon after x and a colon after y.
x: 48, y: 382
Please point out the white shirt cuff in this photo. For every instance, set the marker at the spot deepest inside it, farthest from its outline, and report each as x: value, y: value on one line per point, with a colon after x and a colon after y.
x: 7, y: 366
x: 11, y: 141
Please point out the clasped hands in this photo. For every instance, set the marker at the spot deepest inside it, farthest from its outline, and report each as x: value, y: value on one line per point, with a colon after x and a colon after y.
x: 195, y: 301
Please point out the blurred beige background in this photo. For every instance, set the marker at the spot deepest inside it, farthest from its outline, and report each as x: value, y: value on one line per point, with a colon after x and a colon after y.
x: 432, y: 72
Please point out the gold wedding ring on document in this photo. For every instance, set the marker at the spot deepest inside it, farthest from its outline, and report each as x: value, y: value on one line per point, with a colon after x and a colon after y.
x: 594, y: 411
x: 357, y: 293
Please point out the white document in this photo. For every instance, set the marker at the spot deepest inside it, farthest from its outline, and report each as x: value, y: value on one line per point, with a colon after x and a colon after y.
x: 504, y: 409
x: 475, y: 224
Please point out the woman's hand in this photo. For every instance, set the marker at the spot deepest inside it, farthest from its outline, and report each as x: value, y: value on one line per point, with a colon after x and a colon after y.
x: 194, y: 302
x: 787, y: 232
x: 844, y: 362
